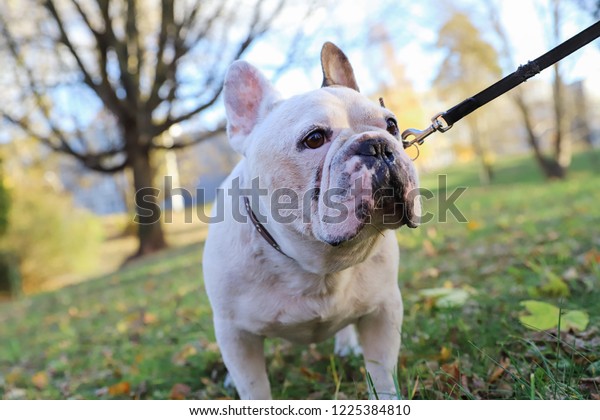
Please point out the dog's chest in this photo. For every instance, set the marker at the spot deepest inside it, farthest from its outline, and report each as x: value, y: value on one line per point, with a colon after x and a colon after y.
x: 308, y: 318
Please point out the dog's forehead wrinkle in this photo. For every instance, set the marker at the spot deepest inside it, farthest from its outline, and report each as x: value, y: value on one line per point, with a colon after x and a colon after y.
x: 317, y: 107
x: 365, y: 115
x: 338, y: 106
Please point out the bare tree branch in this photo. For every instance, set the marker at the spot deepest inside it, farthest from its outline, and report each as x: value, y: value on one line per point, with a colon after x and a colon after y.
x: 198, y: 138
x: 120, y: 49
x: 133, y: 46
x: 292, y: 52
x: 85, y: 18
x: 162, y: 127
x: 255, y: 31
x: 103, y: 44
x: 160, y: 73
x: 89, y: 160
x: 104, y: 92
x: 206, y: 27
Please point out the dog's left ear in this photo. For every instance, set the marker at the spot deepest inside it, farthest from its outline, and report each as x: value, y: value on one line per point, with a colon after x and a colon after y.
x: 336, y: 68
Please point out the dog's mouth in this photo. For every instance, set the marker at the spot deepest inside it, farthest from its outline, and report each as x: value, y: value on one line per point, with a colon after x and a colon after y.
x: 366, y: 217
x: 362, y: 193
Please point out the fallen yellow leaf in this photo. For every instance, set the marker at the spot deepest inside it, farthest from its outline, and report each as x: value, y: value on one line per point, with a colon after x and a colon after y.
x: 122, y: 327
x: 149, y: 318
x: 181, y: 357
x: 445, y: 353
x: 429, y: 249
x: 40, y: 380
x: 14, y: 376
x: 474, y: 225
x: 592, y: 256
x: 121, y: 388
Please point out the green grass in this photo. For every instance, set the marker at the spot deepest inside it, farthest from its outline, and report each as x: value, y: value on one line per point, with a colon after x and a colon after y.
x: 146, y: 331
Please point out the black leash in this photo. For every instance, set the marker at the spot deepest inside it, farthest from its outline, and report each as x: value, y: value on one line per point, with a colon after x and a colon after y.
x: 443, y: 121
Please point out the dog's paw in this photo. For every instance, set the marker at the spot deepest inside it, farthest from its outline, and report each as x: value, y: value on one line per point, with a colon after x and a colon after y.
x: 383, y: 396
x: 346, y: 342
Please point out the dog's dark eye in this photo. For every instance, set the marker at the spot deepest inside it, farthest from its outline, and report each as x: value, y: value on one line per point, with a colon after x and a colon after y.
x: 392, y: 127
x: 315, y: 139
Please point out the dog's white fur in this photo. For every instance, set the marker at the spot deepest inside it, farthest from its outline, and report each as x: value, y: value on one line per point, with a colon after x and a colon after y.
x: 320, y: 290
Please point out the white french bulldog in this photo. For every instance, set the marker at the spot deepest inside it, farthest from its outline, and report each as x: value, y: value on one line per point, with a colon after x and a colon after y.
x: 306, y: 248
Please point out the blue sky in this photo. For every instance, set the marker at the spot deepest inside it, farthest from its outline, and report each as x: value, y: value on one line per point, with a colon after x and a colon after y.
x: 413, y: 28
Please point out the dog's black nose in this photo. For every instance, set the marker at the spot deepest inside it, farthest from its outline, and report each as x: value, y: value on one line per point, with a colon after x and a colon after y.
x: 377, y: 148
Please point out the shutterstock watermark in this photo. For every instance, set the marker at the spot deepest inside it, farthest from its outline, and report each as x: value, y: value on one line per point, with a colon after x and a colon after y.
x: 286, y: 205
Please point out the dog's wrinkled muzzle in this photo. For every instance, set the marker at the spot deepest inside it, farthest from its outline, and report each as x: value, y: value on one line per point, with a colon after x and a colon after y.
x: 375, y: 182
x: 378, y: 156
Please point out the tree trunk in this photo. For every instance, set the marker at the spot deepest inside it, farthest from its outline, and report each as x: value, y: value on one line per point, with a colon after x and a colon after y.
x: 582, y: 123
x: 550, y: 167
x: 150, y: 232
x: 562, y: 142
x: 486, y: 172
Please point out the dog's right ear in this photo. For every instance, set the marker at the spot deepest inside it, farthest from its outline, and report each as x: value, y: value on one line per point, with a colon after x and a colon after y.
x: 248, y: 97
x: 337, y: 69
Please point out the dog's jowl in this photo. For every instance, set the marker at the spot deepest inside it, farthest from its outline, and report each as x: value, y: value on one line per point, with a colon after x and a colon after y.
x: 324, y: 181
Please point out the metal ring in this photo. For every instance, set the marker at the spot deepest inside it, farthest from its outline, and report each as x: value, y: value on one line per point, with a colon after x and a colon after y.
x: 440, y: 126
x: 414, y: 144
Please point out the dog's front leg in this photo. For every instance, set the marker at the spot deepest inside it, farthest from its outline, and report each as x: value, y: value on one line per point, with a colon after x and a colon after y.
x: 379, y: 334
x: 243, y: 354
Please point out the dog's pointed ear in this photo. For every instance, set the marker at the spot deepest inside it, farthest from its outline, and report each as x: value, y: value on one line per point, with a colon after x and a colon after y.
x: 336, y: 68
x: 248, y: 97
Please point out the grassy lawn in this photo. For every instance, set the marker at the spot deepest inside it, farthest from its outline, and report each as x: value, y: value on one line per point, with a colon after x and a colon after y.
x: 146, y: 331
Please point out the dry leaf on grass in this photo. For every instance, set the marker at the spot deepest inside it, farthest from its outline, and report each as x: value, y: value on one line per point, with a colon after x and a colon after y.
x: 40, y: 380
x: 499, y: 370
x: 179, y: 392
x: 181, y: 357
x: 449, y: 380
x: 474, y: 225
x: 149, y: 318
x: 310, y: 374
x: 119, y: 389
x: 592, y: 256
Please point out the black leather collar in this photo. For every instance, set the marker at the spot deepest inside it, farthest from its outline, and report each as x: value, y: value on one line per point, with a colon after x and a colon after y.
x: 261, y: 229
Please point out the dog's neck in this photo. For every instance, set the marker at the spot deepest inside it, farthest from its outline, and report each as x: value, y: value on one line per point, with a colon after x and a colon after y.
x: 317, y: 257
x: 311, y: 254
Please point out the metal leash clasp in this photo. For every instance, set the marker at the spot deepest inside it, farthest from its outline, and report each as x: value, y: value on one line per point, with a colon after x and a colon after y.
x: 437, y: 124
